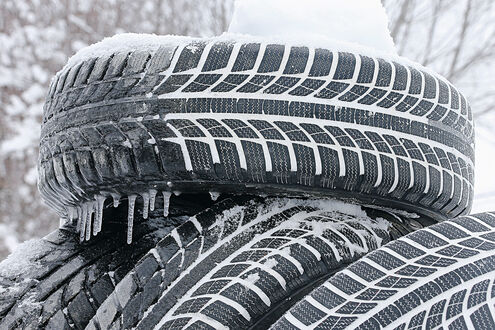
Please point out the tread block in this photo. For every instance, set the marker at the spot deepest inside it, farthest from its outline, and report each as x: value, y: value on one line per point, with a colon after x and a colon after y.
x: 218, y: 57
x: 272, y: 58
x: 189, y: 57
x: 246, y: 58
x: 297, y: 61
x: 345, y: 66
x: 322, y: 63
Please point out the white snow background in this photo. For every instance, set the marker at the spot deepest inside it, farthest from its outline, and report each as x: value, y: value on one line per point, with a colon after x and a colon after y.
x: 362, y: 22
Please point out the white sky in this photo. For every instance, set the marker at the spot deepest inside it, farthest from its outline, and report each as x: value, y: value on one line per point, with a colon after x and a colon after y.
x: 484, y: 197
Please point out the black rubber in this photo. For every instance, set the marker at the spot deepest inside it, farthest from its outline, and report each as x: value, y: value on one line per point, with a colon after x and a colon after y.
x: 68, y: 282
x: 245, y: 117
x: 243, y: 265
x: 442, y: 276
x: 191, y: 264
x: 58, y: 283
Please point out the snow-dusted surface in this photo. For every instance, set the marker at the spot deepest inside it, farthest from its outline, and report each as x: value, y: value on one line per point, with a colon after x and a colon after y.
x: 328, y: 215
x: 363, y: 22
x: 23, y: 259
x: 128, y: 42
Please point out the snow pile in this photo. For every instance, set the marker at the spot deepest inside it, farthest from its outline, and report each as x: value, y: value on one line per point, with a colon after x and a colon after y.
x: 335, y: 205
x: 362, y: 22
x: 357, y: 26
x: 270, y: 263
x: 24, y: 259
x: 126, y: 42
x: 253, y: 278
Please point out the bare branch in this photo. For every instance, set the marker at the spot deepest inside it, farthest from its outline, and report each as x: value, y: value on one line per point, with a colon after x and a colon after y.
x: 462, y: 36
x: 401, y: 20
x: 431, y: 32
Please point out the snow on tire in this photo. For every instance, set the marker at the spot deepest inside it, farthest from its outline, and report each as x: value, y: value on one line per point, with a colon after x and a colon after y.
x: 243, y: 264
x: 441, y: 276
x: 276, y: 248
x: 244, y: 116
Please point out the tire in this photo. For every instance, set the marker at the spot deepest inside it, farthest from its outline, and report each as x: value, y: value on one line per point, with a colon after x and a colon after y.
x: 57, y: 283
x: 441, y: 276
x: 245, y: 117
x: 244, y: 264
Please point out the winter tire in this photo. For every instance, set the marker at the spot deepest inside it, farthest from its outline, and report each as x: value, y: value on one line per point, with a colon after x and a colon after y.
x: 439, y: 277
x: 243, y: 265
x: 241, y: 262
x: 59, y: 284
x: 232, y: 116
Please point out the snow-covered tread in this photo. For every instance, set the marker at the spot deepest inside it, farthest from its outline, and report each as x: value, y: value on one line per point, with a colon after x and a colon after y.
x: 239, y: 116
x: 237, y: 264
x: 439, y: 277
x: 57, y: 283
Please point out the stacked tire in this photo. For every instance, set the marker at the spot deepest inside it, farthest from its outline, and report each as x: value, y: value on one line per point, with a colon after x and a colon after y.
x: 243, y: 117
x: 319, y: 156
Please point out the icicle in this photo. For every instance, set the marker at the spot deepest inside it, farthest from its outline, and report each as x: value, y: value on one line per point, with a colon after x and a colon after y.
x: 100, y: 200
x: 146, y: 204
x: 89, y: 220
x: 116, y: 200
x: 166, y: 202
x: 83, y: 219
x: 79, y: 220
x: 71, y: 214
x: 152, y: 193
x: 130, y: 217
x: 214, y: 195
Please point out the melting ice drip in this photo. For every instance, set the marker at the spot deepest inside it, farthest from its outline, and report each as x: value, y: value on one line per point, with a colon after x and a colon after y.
x: 89, y: 215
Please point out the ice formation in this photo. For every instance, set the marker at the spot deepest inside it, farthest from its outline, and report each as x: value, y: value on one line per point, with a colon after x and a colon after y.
x: 214, y: 195
x: 146, y: 204
x: 89, y: 214
x: 166, y: 202
x: 116, y: 200
x: 130, y: 217
x: 153, y: 193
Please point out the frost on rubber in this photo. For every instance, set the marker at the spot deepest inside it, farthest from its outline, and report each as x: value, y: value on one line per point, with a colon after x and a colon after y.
x: 442, y: 276
x: 57, y: 283
x: 240, y: 117
x: 241, y: 265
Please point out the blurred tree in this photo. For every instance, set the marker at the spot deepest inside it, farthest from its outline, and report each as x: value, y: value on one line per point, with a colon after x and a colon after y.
x: 456, y: 38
